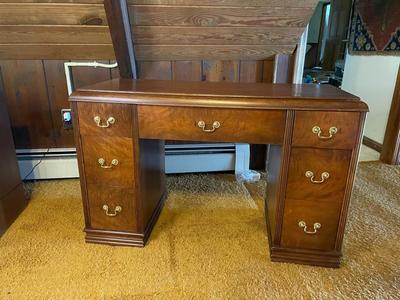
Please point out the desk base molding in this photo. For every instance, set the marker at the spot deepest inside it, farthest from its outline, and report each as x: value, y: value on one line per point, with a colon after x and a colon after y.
x: 330, y: 260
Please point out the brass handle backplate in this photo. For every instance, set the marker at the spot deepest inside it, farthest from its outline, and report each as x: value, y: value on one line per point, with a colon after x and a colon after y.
x: 117, y: 210
x: 215, y: 125
x: 102, y: 163
x: 110, y: 121
x: 324, y: 177
x: 332, y: 131
x: 303, y: 225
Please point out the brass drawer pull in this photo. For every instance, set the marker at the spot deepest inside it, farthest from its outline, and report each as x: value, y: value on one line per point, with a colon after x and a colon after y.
x: 102, y: 163
x: 202, y: 125
x: 109, y: 122
x: 117, y: 210
x: 303, y: 225
x: 324, y: 177
x: 332, y: 131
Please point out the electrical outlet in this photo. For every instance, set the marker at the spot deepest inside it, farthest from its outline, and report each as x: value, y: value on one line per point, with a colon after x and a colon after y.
x: 66, y: 116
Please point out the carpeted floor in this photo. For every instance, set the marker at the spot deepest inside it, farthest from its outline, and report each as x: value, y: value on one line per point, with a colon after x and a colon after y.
x: 210, y: 243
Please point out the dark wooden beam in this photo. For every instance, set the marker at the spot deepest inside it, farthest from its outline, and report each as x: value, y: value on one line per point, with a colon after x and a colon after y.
x: 391, y: 144
x: 120, y: 29
x: 372, y: 144
x: 12, y: 198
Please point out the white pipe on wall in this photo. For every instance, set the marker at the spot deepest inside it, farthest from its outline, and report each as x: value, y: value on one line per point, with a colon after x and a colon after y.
x: 95, y: 64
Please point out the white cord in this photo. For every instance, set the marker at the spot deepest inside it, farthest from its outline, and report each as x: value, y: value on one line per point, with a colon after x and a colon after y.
x: 95, y: 64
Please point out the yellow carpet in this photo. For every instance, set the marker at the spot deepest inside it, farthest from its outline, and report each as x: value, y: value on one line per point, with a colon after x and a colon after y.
x: 210, y: 243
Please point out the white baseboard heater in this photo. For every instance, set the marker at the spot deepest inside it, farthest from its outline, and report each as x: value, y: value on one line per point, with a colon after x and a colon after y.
x: 60, y: 163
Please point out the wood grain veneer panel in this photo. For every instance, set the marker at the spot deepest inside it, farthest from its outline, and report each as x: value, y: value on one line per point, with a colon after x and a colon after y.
x: 175, y: 35
x: 180, y: 123
x: 58, y: 99
x: 28, y: 104
x: 50, y: 34
x: 325, y: 213
x: 55, y: 1
x: 335, y: 162
x: 187, y: 70
x: 122, y: 114
x: 56, y: 51
x: 215, y: 52
x: 260, y: 91
x: 251, y: 71
x: 219, y: 16
x: 161, y: 70
x: 12, y: 196
x: 347, y: 124
x: 243, y: 3
x: 221, y: 70
x: 108, y: 148
x: 100, y: 195
x: 50, y: 13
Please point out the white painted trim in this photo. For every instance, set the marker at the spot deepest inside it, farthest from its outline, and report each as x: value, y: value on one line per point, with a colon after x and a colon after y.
x: 196, y: 163
x: 300, y: 58
x: 242, y: 158
x: 51, y: 167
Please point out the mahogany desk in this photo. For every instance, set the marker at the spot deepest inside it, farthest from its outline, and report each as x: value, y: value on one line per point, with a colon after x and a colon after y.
x: 314, y: 134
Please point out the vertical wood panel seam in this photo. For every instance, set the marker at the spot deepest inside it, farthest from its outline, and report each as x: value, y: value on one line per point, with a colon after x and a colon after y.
x: 50, y: 107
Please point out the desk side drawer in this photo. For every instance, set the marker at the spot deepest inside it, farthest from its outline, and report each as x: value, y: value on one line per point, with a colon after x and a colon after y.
x: 211, y: 124
x: 105, y: 119
x: 108, y: 160
x: 300, y: 224
x: 335, y: 130
x: 318, y: 174
x: 112, y: 208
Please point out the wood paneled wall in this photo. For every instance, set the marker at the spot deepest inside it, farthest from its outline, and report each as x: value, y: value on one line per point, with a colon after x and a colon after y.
x: 214, y: 40
x: 36, y: 90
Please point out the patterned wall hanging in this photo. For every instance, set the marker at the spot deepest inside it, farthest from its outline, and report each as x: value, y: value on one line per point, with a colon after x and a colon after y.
x: 375, y: 27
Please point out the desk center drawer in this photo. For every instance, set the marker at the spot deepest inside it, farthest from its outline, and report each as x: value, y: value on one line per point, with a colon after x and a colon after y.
x: 211, y: 124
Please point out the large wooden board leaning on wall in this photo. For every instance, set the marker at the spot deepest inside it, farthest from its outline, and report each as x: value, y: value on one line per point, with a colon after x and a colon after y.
x: 162, y: 29
x: 12, y: 196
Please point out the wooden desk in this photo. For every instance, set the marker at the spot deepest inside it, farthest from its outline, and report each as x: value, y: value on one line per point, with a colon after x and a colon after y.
x: 314, y: 131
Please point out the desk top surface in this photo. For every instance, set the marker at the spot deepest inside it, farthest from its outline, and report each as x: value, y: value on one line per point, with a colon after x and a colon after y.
x: 220, y: 94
